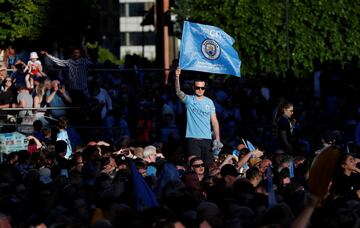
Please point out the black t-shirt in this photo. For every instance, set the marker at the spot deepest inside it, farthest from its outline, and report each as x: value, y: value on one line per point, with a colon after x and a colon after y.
x: 285, y: 125
x: 6, y: 97
x: 346, y: 186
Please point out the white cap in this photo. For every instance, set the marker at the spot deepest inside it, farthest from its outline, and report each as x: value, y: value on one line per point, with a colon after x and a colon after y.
x: 34, y: 55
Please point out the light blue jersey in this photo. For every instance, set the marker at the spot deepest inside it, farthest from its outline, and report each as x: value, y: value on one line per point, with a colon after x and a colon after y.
x: 198, y: 113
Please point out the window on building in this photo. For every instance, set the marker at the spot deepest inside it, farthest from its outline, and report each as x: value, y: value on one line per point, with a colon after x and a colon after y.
x: 136, y: 9
x: 139, y: 38
x: 123, y: 10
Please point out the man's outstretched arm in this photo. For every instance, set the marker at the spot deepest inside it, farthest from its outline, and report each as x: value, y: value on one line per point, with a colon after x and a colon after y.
x: 57, y: 61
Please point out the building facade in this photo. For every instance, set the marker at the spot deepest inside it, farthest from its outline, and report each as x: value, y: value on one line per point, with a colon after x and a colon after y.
x: 135, y: 38
x: 134, y: 27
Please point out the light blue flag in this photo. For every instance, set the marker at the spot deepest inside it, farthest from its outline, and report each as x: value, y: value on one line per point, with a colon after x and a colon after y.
x: 250, y: 146
x: 208, y: 48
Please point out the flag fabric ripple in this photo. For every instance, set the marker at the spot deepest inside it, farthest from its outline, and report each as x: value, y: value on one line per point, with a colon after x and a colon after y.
x: 209, y: 49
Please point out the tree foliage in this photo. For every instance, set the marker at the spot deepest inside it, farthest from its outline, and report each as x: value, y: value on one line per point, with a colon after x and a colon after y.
x: 324, y: 30
x: 21, y: 19
x: 67, y: 21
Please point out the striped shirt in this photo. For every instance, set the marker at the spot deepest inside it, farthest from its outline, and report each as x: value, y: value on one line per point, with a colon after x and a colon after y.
x: 78, y: 71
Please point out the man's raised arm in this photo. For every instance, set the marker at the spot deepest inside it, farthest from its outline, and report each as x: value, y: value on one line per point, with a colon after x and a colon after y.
x: 179, y: 93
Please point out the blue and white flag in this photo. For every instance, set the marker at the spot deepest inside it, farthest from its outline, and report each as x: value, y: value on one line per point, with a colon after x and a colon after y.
x: 208, y: 48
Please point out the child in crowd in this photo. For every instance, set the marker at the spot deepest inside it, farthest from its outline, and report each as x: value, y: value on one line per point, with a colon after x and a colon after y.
x: 34, y: 66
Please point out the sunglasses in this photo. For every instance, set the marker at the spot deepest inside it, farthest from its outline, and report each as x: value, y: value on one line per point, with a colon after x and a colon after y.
x: 199, y: 88
x: 199, y: 165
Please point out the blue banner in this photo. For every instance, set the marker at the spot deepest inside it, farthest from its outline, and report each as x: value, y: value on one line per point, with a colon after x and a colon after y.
x: 145, y: 197
x: 270, y: 188
x: 208, y: 49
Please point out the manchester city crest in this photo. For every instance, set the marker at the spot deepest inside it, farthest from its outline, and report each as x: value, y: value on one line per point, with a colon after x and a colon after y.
x: 210, y: 49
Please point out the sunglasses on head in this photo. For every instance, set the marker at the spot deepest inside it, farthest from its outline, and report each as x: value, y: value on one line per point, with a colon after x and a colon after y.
x: 198, y: 87
x: 199, y: 165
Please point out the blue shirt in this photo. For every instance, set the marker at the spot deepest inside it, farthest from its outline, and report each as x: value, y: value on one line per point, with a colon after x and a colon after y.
x: 198, y: 113
x: 57, y: 101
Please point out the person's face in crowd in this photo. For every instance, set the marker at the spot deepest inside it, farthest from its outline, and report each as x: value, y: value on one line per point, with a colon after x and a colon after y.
x: 153, y: 157
x: 47, y: 84
x: 55, y: 84
x: 36, y: 83
x: 264, y: 164
x: 142, y: 171
x: 3, y: 73
x: 199, y: 88
x: 349, y: 164
x: 79, y: 163
x: 215, y: 172
x: 8, y: 82
x: 198, y: 167
x: 76, y: 54
x: 289, y: 111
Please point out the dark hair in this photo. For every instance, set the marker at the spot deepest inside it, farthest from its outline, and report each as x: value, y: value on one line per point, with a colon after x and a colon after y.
x: 3, y: 83
x: 60, y: 146
x: 19, y: 66
x: 37, y: 125
x: 253, y: 172
x: 199, y: 80
x: 194, y: 159
x: 20, y: 87
x: 342, y: 160
x: 89, y: 151
x: 283, y: 104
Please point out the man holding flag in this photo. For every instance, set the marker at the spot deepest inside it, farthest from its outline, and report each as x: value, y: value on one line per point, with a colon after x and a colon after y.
x: 204, y: 48
x: 200, y: 112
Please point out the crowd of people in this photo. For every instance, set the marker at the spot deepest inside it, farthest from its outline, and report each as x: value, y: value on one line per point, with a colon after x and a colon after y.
x: 117, y: 147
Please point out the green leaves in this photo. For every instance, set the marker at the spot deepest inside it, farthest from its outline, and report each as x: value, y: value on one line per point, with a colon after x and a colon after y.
x: 21, y: 19
x: 324, y: 30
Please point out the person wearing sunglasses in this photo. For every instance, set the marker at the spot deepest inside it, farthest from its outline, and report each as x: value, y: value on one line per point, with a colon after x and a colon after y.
x: 201, y: 120
x: 7, y: 93
x: 197, y: 165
